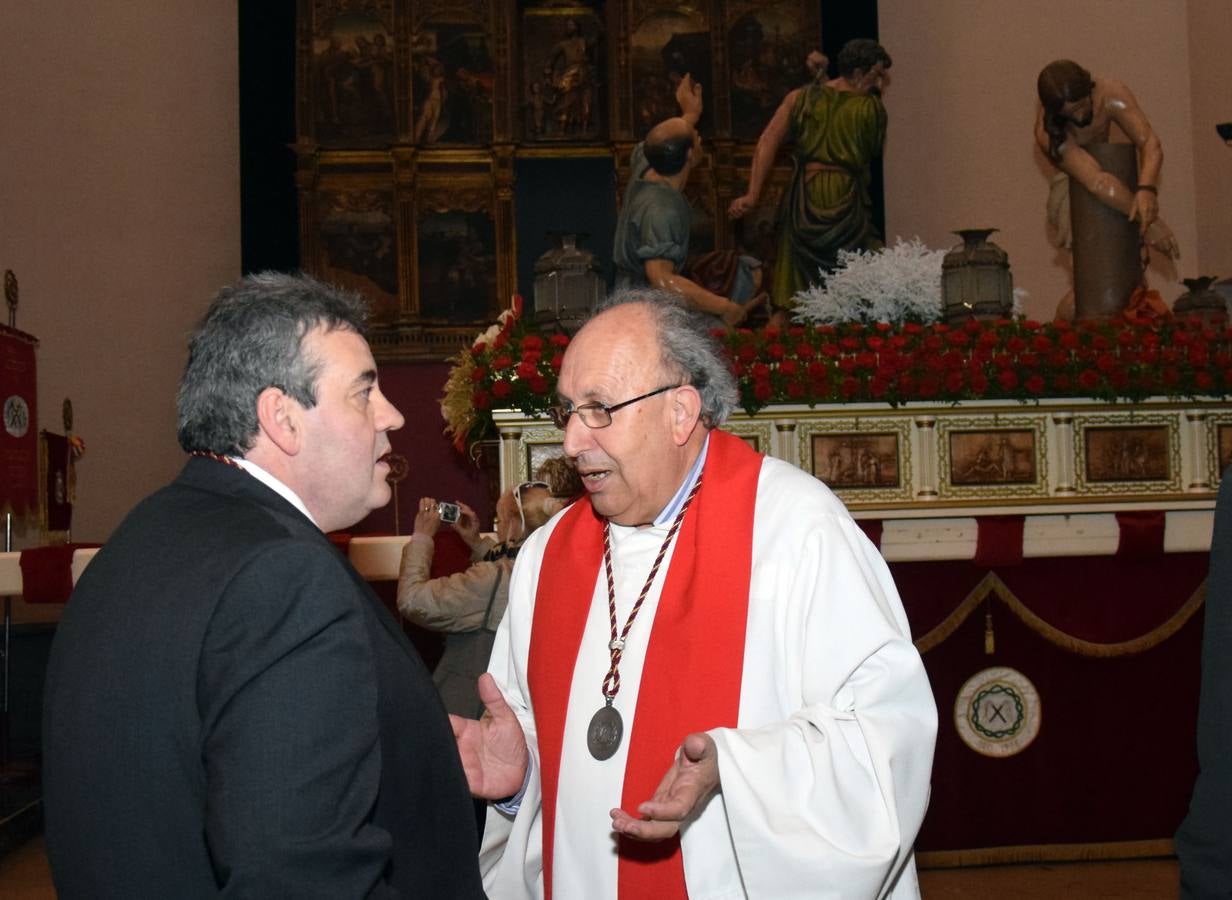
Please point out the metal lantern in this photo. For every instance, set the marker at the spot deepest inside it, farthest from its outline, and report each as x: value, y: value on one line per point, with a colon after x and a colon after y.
x: 975, y: 279
x: 1203, y: 300
x: 568, y: 284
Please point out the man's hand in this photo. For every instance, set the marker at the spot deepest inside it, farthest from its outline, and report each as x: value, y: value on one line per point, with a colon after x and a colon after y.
x: 493, y: 749
x: 741, y: 205
x: 689, y: 98
x: 1144, y: 210
x: 685, y: 788
x: 733, y: 314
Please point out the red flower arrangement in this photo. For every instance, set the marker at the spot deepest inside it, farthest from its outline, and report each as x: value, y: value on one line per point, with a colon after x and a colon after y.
x: 1118, y: 360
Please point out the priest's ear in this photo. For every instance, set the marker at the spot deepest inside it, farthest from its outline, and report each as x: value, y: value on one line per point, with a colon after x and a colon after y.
x: 280, y: 420
x: 686, y: 412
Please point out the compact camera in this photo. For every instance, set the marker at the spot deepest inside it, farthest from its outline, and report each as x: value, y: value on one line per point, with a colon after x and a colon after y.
x: 448, y: 512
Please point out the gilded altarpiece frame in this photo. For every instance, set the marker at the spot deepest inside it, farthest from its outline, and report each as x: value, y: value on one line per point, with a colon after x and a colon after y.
x: 400, y: 103
x: 1218, y: 444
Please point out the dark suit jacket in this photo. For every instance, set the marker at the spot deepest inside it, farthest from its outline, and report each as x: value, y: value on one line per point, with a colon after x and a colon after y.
x: 1204, y: 841
x: 231, y: 711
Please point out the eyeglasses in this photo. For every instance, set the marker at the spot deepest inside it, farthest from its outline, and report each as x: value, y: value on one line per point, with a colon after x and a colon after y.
x: 597, y: 415
x: 517, y: 498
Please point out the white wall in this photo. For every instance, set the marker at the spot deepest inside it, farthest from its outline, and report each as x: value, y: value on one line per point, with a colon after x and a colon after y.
x: 119, y: 214
x: 960, y: 151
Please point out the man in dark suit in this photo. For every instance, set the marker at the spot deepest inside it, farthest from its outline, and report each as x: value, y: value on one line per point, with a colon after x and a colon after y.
x: 229, y: 708
x: 1204, y: 840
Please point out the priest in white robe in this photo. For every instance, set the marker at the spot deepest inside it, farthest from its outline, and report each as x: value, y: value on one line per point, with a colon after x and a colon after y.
x: 704, y: 685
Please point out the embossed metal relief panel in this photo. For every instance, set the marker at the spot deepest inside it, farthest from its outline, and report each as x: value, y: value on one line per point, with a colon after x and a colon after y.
x: 1116, y: 455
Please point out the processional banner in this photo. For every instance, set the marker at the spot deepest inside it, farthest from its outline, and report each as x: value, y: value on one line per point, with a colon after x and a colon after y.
x: 19, y: 487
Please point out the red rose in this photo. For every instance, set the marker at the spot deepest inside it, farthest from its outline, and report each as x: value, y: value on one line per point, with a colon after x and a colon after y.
x: 847, y: 364
x: 1008, y: 379
x: 973, y: 325
x: 1088, y: 379
x: 929, y: 386
x: 760, y: 371
x: 912, y: 328
x: 771, y: 333
x: 502, y: 389
x: 1105, y: 362
x: 532, y: 342
x: 954, y: 382
x: 500, y: 340
x: 818, y: 371
x: 1119, y: 379
x: 1041, y: 343
x: 795, y: 390
x: 1030, y: 325
x: 559, y: 340
x: 761, y: 391
x: 1029, y: 360
x: 866, y: 359
x: 525, y: 370
x: 878, y: 387
x: 538, y: 384
x: 789, y: 367
x: 979, y: 383
x: 805, y: 351
x: 1170, y: 376
x: 479, y: 373
x: 558, y: 359
x: 958, y: 339
x: 830, y: 350
x: 746, y: 353
x: 849, y: 343
x: 1034, y: 384
x: 775, y: 351
x: 849, y: 387
x: 1015, y: 344
x: 883, y: 327
x: 532, y: 357
x: 481, y: 400
x: 503, y: 361
x: 1069, y: 340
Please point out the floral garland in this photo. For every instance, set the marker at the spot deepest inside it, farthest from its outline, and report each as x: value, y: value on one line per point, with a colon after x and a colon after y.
x: 514, y: 366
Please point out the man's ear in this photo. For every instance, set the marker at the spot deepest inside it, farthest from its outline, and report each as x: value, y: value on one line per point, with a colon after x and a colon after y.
x: 280, y: 419
x: 686, y: 411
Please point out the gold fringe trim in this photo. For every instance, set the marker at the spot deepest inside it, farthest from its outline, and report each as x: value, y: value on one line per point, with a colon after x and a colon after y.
x: 1032, y: 853
x: 992, y: 584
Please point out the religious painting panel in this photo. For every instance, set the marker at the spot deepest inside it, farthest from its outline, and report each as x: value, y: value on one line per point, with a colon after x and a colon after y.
x: 354, y: 93
x: 1127, y: 454
x: 455, y: 254
x: 1112, y: 457
x: 767, y: 44
x: 667, y: 41
x: 992, y: 457
x: 856, y: 460
x: 357, y: 241
x: 453, y: 81
x: 539, y: 442
x: 1219, y: 445
x: 563, y: 71
x: 757, y: 434
x: 866, y: 461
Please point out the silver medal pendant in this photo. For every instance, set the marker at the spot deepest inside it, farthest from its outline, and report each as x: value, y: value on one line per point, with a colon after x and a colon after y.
x: 605, y: 731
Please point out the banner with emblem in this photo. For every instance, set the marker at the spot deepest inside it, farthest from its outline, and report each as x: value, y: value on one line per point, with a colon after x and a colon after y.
x: 19, y: 485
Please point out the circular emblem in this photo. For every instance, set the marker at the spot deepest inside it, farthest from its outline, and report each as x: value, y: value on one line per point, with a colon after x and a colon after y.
x: 16, y: 416
x: 997, y: 712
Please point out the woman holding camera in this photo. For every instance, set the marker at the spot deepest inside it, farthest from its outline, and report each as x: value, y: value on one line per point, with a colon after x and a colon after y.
x: 467, y: 606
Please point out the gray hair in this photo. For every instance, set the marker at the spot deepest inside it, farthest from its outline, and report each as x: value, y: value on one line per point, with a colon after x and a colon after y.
x: 687, y: 348
x: 250, y: 339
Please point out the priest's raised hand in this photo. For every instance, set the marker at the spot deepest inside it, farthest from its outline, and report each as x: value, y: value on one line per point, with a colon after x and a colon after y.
x: 686, y: 787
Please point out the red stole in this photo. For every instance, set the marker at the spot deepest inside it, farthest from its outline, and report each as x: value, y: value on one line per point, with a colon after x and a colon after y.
x: 691, y: 678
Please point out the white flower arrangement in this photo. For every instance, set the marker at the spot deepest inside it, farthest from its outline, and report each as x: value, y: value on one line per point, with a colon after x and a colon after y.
x: 900, y: 283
